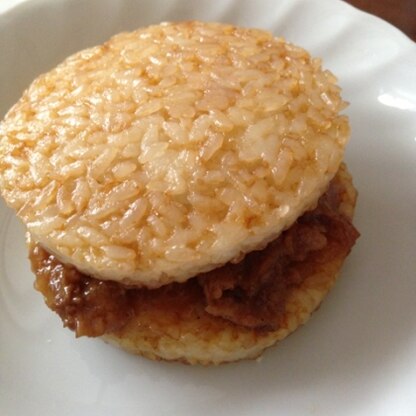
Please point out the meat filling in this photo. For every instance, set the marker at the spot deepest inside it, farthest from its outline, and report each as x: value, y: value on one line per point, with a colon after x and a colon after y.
x: 251, y: 293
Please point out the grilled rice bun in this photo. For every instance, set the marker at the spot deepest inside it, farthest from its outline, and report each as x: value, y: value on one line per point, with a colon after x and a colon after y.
x: 172, y: 150
x: 172, y: 322
x: 167, y: 153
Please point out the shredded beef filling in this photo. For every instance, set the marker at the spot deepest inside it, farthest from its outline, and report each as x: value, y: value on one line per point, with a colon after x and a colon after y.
x: 251, y: 293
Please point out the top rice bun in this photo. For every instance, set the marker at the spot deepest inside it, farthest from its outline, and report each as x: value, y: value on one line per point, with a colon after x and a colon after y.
x: 171, y: 150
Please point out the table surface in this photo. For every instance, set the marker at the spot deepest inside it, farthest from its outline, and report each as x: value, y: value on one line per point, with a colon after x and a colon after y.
x: 400, y: 13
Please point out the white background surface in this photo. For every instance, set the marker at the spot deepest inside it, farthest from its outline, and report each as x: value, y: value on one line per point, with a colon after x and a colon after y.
x: 357, y: 356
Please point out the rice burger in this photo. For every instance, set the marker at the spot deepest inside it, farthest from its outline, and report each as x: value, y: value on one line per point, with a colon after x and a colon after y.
x: 183, y: 189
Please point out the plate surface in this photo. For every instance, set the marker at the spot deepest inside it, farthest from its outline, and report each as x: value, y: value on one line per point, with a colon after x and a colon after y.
x: 357, y: 356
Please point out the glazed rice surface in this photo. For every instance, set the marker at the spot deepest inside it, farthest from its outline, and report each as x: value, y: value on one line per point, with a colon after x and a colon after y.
x: 171, y: 150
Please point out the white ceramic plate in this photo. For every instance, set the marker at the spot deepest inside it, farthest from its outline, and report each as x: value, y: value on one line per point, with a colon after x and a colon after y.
x: 357, y: 356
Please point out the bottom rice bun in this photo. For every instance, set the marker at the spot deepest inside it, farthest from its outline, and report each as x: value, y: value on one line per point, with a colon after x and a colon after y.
x: 183, y: 189
x: 174, y: 321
